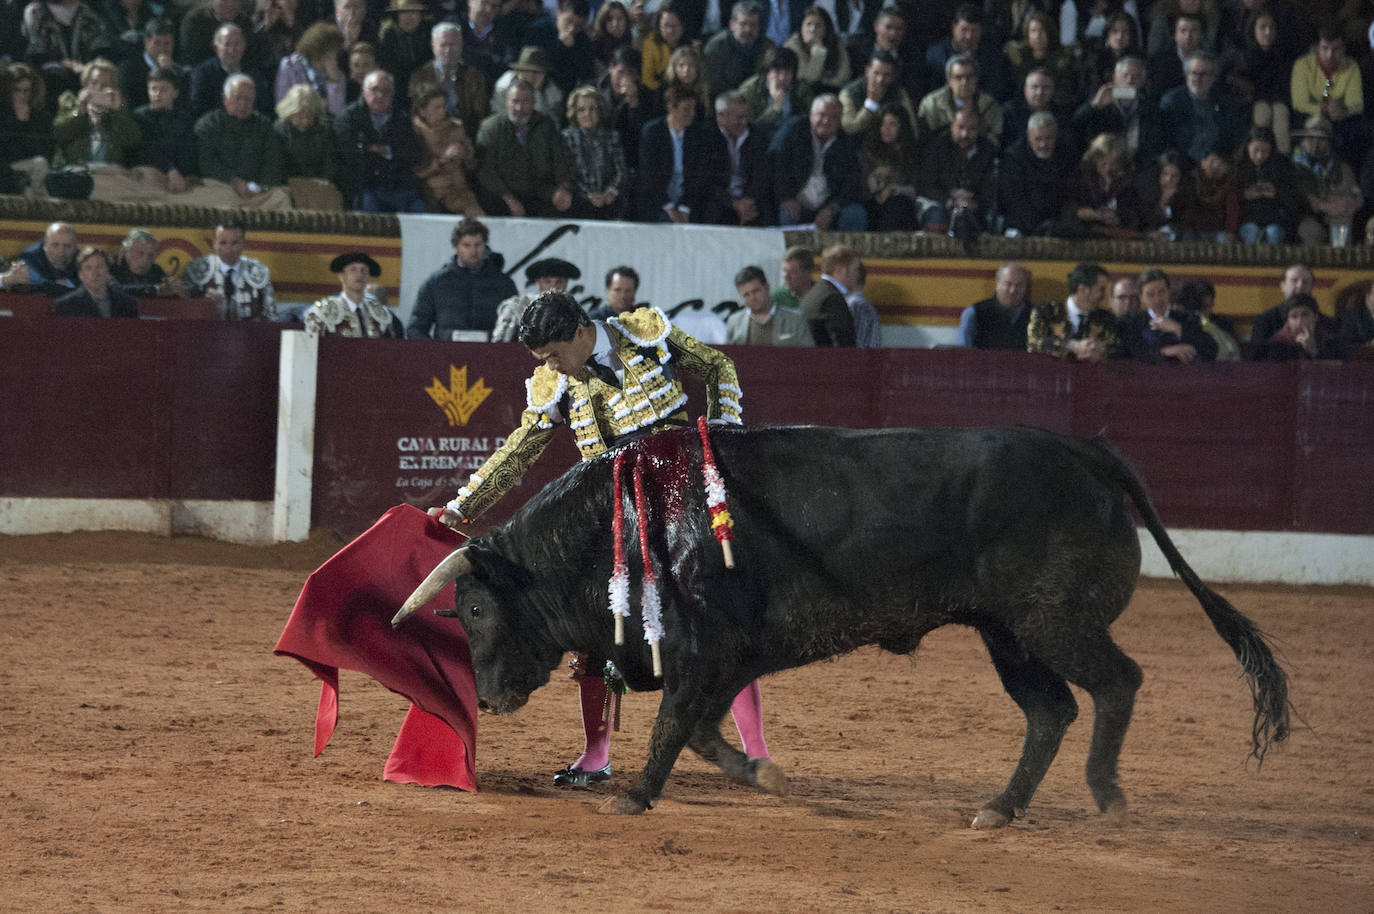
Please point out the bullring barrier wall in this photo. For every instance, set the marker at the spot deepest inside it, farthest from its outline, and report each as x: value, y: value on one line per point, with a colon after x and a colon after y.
x: 250, y: 433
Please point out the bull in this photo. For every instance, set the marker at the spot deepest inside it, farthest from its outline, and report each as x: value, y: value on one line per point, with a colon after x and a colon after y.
x: 845, y: 538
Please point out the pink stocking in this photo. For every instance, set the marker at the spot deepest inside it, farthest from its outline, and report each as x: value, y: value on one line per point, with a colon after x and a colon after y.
x: 597, y: 752
x: 747, y: 710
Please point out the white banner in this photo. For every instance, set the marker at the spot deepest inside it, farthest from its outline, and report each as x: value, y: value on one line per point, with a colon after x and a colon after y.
x: 675, y: 263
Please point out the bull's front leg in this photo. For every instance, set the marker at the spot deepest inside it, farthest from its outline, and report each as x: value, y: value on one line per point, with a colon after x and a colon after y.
x: 678, y: 716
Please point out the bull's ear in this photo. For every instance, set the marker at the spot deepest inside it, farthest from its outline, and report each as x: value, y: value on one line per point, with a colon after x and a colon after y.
x: 451, y: 568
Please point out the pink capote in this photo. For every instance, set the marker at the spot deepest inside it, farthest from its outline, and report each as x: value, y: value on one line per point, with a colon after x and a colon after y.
x: 342, y: 620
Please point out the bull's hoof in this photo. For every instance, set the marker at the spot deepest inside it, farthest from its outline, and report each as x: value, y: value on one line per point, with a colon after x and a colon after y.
x: 769, y: 778
x: 991, y: 818
x: 622, y: 805
x: 1115, y: 814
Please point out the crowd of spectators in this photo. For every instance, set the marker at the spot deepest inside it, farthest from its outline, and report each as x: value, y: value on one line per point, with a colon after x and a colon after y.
x: 1173, y: 120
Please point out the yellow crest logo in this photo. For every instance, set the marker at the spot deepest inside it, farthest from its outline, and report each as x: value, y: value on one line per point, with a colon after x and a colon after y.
x: 458, y: 401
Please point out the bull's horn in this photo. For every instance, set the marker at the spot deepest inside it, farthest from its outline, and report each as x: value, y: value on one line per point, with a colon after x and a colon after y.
x: 450, y: 569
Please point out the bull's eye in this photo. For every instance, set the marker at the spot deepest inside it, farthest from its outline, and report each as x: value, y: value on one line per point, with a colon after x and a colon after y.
x: 475, y: 610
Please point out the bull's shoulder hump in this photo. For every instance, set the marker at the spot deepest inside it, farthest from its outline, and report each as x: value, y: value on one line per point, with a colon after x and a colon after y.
x: 644, y: 326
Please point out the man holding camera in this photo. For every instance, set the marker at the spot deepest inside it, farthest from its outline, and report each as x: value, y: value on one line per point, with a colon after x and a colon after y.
x: 1123, y: 106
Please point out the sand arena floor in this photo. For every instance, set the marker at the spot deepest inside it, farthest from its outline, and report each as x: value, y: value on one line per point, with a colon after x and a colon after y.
x: 156, y: 757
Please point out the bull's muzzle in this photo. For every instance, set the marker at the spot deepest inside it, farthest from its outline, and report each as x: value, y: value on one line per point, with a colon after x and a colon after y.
x: 454, y: 566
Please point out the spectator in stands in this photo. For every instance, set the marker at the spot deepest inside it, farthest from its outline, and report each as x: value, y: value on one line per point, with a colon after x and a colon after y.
x: 1040, y: 51
x: 1035, y: 176
x: 159, y: 45
x: 1159, y: 29
x: 878, y: 87
x: 961, y: 90
x: 1125, y: 299
x: 315, y: 63
x: 797, y: 265
x: 1260, y: 77
x: 60, y: 47
x: 1167, y: 67
x: 240, y: 286
x: 1298, y: 279
x: 237, y: 147
x: 824, y: 306
x: 1081, y: 326
x: 1326, y: 82
x: 743, y: 197
x: 137, y: 271
x: 210, y: 73
x: 353, y: 311
x: 1271, y: 200
x: 125, y: 21
x: 93, y: 126
x: 664, y: 38
x: 761, y: 322
x: 733, y: 54
x: 522, y: 168
x: 167, y: 139
x: 632, y: 103
x: 548, y: 275
x: 817, y: 177
x: 463, y: 295
x: 201, y: 25
x: 1333, y: 194
x: 956, y: 176
x: 463, y: 86
x: 1036, y: 96
x: 96, y: 296
x: 486, y: 41
x: 868, y: 329
x: 1103, y: 198
x: 1198, y: 296
x: 1303, y: 334
x: 611, y: 30
x: 965, y: 39
x: 600, y: 175
x: 25, y: 126
x: 888, y: 31
x: 1357, y: 323
x: 566, y: 45
x: 685, y: 70
x: 774, y: 94
x: 1123, y: 106
x: 889, y: 159
x: 362, y: 60
x: 681, y: 162
x: 447, y: 160
x: 353, y: 21
x: 822, y: 60
x: 1163, y: 200
x: 46, y: 266
x: 1211, y: 200
x: 277, y: 27
x: 1197, y: 117
x: 532, y: 67
x: 1120, y: 39
x: 1159, y: 332
x: 622, y: 288
x: 378, y: 151
x: 404, y: 44
x: 309, y: 157
x: 999, y: 322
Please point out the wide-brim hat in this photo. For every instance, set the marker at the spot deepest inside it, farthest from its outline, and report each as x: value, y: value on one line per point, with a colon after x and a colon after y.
x: 551, y: 266
x: 338, y: 263
x: 532, y: 58
x: 1316, y: 125
x: 407, y: 6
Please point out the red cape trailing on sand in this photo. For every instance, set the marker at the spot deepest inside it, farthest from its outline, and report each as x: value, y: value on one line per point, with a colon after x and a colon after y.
x: 342, y: 620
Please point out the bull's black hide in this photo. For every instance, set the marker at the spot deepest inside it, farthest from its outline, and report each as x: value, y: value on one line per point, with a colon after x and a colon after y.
x: 845, y: 538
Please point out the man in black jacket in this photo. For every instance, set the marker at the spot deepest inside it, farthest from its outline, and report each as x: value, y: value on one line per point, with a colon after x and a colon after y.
x: 1000, y: 322
x: 956, y: 172
x: 827, y: 191
x: 742, y: 198
x: 377, y: 151
x: 681, y: 167
x: 1035, y: 176
x: 97, y: 296
x: 462, y: 297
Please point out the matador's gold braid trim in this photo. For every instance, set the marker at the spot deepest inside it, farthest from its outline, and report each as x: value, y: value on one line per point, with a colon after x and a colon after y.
x: 507, y: 466
x: 1049, y: 330
x: 645, y: 327
x: 715, y: 369
x: 544, y: 389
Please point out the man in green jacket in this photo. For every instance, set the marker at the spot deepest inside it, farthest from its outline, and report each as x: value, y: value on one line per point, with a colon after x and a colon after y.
x: 522, y: 168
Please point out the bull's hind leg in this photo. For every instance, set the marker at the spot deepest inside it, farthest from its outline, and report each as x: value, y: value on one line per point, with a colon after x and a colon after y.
x: 1049, y: 706
x: 707, y: 742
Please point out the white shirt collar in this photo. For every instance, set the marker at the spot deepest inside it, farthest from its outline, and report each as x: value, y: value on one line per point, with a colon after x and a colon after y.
x: 835, y: 282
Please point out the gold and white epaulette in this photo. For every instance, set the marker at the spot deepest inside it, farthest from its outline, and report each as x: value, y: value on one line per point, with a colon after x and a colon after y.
x: 543, y: 391
x: 646, y: 327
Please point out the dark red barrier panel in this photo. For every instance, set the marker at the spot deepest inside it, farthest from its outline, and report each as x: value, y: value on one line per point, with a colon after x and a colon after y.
x: 138, y: 409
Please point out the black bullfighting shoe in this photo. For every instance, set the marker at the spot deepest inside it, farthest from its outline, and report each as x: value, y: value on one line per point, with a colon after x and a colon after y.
x: 578, y: 779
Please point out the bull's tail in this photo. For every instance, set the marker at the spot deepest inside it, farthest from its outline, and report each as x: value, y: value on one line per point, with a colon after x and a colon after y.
x: 1267, y: 680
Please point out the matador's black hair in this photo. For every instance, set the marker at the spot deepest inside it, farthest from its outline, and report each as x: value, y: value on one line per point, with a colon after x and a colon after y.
x: 551, y: 318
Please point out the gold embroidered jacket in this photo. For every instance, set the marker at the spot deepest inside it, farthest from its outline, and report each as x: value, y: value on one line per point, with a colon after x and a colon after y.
x: 1050, y: 331
x: 600, y: 414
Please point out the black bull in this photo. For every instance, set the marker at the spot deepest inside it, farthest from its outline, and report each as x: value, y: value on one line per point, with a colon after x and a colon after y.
x: 845, y: 538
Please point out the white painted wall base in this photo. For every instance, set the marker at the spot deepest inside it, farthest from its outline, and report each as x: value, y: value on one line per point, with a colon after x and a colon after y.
x: 247, y: 522
x: 1220, y: 556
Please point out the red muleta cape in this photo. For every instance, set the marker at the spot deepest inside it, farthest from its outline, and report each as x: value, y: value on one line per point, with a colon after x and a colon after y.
x: 342, y: 620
